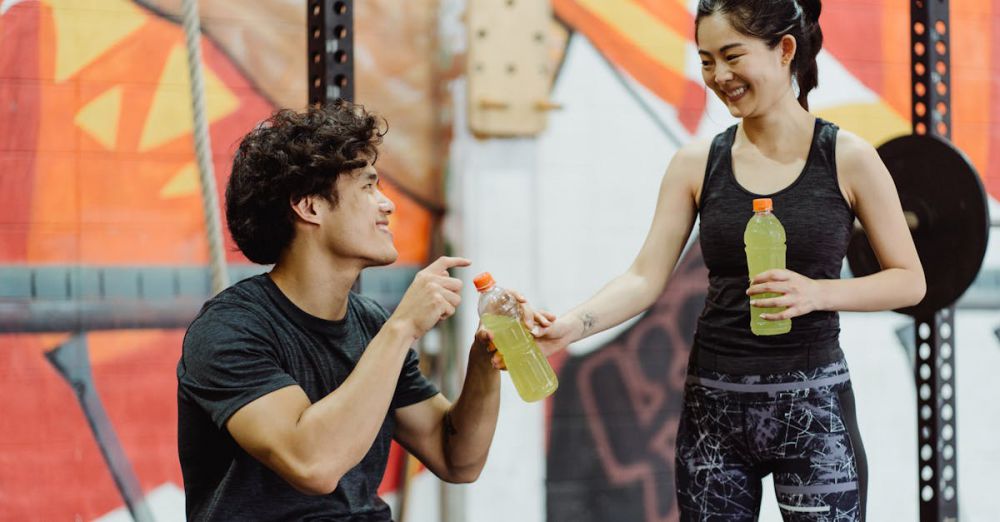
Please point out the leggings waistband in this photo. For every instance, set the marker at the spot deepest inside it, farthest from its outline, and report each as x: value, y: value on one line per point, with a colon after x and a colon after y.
x: 826, y: 379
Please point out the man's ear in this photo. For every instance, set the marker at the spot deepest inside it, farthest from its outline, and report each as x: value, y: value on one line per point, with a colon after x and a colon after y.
x: 306, y: 208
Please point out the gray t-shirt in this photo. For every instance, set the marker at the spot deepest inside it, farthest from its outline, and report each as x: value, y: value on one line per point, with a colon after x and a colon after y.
x: 251, y: 340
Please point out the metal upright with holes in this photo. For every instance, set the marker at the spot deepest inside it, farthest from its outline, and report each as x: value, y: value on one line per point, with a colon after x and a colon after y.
x: 330, y: 26
x: 330, y: 35
x: 934, y: 367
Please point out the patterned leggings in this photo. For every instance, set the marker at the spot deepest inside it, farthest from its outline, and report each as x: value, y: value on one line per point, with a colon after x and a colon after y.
x: 800, y: 426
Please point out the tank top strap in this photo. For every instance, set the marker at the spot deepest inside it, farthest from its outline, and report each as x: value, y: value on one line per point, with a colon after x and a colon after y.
x: 824, y: 151
x: 719, y: 164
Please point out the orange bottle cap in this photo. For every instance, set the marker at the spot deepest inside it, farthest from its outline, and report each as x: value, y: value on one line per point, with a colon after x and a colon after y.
x: 762, y: 205
x: 484, y: 281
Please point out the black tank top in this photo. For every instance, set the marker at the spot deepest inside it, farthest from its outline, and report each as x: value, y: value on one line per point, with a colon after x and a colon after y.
x: 818, y: 222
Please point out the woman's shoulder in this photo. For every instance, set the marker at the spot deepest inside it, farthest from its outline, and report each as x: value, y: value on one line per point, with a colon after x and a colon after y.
x: 858, y: 165
x: 693, y: 154
x: 688, y: 166
x: 852, y: 148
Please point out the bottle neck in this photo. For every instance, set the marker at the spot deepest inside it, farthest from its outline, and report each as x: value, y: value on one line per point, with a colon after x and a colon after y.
x: 762, y: 212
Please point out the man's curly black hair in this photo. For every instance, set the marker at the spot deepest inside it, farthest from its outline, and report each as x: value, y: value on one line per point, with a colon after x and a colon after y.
x: 287, y: 157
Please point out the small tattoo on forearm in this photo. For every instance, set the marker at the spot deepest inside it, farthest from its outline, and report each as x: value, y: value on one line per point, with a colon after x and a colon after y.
x: 588, y: 319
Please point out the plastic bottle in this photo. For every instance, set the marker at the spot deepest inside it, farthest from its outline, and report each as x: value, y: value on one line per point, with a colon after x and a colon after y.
x: 501, y: 315
x: 765, y: 246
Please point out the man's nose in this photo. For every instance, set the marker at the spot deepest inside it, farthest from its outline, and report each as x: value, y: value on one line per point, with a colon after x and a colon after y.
x: 385, y: 204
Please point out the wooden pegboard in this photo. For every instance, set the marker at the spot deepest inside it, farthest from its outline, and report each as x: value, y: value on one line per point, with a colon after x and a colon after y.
x: 508, y: 68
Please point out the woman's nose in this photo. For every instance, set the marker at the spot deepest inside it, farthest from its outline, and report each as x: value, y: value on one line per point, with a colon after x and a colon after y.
x: 723, y: 74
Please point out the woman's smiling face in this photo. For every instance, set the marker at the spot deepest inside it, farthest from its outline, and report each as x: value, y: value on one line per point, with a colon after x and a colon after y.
x: 746, y: 74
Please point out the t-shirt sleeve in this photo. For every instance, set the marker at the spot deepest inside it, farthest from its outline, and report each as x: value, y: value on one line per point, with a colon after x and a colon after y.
x: 228, y: 360
x: 412, y: 386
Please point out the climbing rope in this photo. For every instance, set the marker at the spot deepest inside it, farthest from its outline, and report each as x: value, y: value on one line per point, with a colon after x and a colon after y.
x: 203, y: 149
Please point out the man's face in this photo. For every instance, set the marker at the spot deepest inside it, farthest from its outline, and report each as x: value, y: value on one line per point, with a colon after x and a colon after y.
x: 358, y: 226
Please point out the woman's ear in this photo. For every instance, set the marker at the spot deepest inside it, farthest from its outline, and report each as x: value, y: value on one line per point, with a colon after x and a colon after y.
x: 788, y: 47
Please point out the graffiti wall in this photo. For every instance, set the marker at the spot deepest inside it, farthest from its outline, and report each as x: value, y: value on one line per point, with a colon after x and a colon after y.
x: 98, y: 178
x: 100, y: 214
x: 651, y: 41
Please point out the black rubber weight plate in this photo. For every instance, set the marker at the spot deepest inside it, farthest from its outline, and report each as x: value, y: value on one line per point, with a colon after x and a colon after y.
x: 939, y: 185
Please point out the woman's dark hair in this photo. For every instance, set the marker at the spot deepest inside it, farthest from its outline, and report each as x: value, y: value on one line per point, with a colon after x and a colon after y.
x: 287, y: 157
x: 770, y: 20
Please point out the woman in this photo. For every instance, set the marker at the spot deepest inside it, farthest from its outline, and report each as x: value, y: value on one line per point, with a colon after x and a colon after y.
x: 778, y: 404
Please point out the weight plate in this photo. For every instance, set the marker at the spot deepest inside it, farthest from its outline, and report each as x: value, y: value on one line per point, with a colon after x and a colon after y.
x: 940, y: 187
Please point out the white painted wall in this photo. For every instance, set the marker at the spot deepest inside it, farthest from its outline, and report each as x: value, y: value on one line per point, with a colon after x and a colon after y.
x: 499, y: 216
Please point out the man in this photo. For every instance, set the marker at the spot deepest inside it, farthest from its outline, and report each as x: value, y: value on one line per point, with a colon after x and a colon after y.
x: 290, y: 387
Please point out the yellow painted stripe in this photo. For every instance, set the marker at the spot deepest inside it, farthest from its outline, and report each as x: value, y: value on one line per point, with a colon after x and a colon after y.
x: 170, y: 114
x: 184, y: 183
x: 86, y: 29
x: 875, y: 122
x: 99, y: 118
x: 642, y: 29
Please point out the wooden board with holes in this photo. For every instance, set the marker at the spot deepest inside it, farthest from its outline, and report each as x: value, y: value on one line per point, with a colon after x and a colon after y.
x: 507, y: 67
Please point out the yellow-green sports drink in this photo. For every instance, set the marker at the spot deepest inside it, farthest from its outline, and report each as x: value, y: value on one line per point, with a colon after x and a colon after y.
x: 765, y: 246
x: 529, y: 370
x: 501, y: 315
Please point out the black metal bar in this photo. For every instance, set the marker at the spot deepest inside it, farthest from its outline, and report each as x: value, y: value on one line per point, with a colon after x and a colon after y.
x: 72, y: 360
x: 50, y: 298
x: 934, y: 370
x: 931, y: 67
x: 25, y: 316
x: 330, y: 26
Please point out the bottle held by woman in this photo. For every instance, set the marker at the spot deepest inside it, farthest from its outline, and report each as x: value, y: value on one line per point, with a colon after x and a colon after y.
x: 764, y: 239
